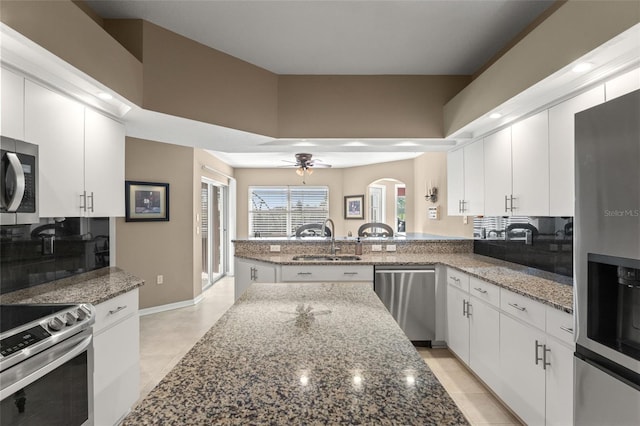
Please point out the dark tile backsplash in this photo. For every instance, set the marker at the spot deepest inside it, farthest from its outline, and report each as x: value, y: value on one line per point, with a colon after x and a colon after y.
x: 544, y: 243
x: 50, y: 250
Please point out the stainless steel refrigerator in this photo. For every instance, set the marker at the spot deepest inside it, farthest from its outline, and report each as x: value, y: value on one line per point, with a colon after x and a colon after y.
x: 607, y: 263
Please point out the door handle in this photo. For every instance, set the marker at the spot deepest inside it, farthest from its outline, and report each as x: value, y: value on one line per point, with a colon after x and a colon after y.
x: 17, y: 175
x: 83, y: 201
x: 90, y: 196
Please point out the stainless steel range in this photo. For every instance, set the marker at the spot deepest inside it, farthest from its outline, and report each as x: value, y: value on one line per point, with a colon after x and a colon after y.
x: 46, y: 364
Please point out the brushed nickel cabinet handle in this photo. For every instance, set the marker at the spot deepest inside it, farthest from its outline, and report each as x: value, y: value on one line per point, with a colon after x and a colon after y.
x: 116, y: 310
x: 480, y: 290
x: 567, y: 329
x: 515, y: 305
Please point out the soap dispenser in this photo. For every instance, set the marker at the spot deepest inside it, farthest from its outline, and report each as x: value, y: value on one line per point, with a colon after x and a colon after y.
x: 358, y: 246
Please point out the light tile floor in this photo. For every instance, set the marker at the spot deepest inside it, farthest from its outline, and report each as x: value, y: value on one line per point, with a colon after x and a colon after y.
x: 166, y: 337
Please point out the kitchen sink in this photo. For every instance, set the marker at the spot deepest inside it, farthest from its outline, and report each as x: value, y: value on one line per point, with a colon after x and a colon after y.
x: 326, y: 257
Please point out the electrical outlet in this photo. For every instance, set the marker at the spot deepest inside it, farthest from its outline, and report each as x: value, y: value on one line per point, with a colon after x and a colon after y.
x: 376, y: 247
x: 160, y: 279
x: 391, y: 247
x: 274, y: 248
x: 465, y: 220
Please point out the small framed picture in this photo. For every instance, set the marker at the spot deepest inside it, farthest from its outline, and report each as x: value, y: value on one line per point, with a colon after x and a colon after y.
x: 354, y: 207
x: 146, y: 201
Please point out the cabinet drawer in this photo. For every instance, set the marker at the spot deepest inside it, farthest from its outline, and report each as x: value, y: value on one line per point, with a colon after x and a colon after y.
x: 458, y: 279
x: 483, y: 290
x: 318, y: 273
x: 560, y: 324
x: 523, y: 308
x: 116, y: 309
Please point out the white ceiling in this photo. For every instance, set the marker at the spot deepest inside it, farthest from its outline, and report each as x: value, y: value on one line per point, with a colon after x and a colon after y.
x: 326, y: 37
x: 343, y: 37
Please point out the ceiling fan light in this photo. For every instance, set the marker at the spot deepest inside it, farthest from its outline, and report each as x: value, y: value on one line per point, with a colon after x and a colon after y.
x: 300, y: 171
x: 309, y: 170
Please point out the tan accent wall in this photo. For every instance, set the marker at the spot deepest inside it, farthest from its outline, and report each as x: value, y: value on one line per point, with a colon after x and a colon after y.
x: 187, y: 79
x: 432, y: 166
x: 364, y: 106
x: 148, y: 249
x: 65, y: 30
x: 576, y: 28
x: 128, y: 32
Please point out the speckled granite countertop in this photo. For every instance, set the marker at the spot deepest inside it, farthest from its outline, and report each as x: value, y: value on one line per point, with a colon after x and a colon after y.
x: 304, y: 354
x: 92, y: 287
x: 551, y: 289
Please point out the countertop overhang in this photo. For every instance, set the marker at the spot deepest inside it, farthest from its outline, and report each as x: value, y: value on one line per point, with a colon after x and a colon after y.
x: 291, y: 353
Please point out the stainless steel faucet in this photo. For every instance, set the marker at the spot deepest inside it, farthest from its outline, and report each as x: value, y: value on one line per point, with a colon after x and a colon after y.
x: 333, y: 235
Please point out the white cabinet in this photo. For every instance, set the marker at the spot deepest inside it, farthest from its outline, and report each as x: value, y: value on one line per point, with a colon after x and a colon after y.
x: 249, y: 271
x: 497, y: 172
x: 56, y: 124
x: 484, y: 332
x: 116, y: 344
x: 458, y: 322
x: 12, y: 105
x: 523, y: 384
x: 465, y: 180
x: 561, y: 149
x: 104, y: 165
x: 559, y: 383
x: 530, y: 164
x: 81, y: 155
x: 455, y: 181
x: 623, y: 84
x: 324, y: 273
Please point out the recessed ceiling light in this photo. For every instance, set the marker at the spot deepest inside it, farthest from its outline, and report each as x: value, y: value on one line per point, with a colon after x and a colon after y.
x: 406, y: 144
x: 104, y: 96
x: 582, y: 67
x: 304, y: 144
x: 495, y: 115
x: 355, y: 143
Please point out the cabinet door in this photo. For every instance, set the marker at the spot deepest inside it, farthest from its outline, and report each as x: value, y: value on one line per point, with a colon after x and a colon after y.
x: 104, y: 164
x: 458, y: 323
x: 497, y: 172
x: 561, y: 147
x: 523, y: 382
x: 530, y: 163
x: 264, y: 273
x: 455, y: 182
x: 484, y: 342
x: 116, y: 371
x: 242, y: 278
x: 56, y: 124
x: 474, y: 179
x: 559, y: 395
x: 12, y: 105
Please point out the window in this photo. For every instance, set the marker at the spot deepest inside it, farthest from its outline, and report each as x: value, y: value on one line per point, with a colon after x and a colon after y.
x: 277, y: 211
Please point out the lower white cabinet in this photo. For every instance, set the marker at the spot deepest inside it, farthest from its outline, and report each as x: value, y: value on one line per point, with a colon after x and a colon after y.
x: 249, y: 271
x: 458, y: 322
x: 116, y: 346
x: 559, y: 384
x: 326, y: 273
x: 484, y: 342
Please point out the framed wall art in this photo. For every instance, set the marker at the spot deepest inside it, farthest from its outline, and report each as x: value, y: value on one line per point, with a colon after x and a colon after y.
x: 354, y: 207
x: 146, y: 201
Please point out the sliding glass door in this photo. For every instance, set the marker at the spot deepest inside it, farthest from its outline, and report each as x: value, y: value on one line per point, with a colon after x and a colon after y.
x: 213, y: 231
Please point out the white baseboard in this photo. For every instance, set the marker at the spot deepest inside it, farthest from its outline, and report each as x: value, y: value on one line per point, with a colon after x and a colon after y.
x: 170, y: 306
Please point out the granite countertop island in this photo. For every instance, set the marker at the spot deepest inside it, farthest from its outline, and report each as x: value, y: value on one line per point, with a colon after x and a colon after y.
x: 92, y: 287
x: 312, y: 354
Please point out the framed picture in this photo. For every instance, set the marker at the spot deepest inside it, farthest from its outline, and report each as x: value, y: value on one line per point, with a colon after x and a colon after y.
x: 146, y: 201
x: 354, y: 207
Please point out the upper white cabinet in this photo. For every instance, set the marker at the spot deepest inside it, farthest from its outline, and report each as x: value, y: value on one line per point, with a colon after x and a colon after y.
x: 104, y: 165
x: 56, y: 124
x: 561, y: 149
x: 465, y: 180
x: 497, y: 172
x: 623, y: 84
x: 530, y: 164
x: 12, y: 105
x: 81, y: 155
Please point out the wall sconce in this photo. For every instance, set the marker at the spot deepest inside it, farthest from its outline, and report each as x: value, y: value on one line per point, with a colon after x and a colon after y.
x: 432, y: 193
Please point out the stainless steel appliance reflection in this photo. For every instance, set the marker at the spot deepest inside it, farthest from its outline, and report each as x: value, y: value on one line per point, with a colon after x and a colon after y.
x: 607, y: 263
x: 46, y: 365
x: 410, y: 296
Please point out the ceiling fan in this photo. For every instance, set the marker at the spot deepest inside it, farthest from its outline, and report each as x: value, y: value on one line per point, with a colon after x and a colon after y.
x: 305, y: 163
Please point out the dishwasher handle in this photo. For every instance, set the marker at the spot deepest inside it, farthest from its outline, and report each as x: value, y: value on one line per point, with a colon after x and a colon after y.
x: 404, y: 271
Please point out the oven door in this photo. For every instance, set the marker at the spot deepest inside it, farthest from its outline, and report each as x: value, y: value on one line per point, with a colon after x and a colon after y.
x: 54, y: 387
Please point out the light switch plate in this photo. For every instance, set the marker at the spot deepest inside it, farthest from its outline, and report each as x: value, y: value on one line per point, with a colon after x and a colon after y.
x: 376, y: 247
x: 274, y: 248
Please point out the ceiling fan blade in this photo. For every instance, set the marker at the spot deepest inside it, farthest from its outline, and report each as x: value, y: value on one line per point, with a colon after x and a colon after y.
x: 320, y: 166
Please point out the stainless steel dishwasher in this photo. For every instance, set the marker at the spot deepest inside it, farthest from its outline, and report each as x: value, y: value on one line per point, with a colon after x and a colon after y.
x: 409, y: 293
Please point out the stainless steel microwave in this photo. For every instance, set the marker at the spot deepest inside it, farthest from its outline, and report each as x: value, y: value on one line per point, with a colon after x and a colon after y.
x: 18, y: 182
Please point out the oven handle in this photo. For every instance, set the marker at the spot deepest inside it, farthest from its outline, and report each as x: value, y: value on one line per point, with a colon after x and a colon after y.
x: 60, y: 354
